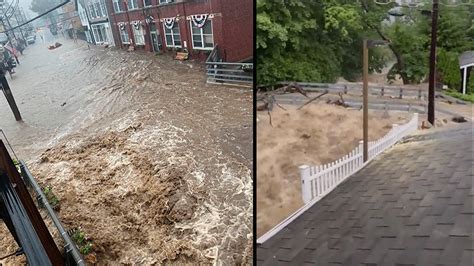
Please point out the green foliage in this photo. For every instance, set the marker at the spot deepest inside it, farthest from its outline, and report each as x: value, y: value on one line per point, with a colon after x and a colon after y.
x: 52, y: 199
x: 82, y: 242
x: 411, y: 40
x: 469, y: 97
x: 448, y: 68
x: 41, y: 6
x: 308, y: 40
x: 319, y: 41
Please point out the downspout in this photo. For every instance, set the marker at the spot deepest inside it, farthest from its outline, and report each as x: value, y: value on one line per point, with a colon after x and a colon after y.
x: 132, y: 39
x: 147, y: 28
x: 116, y: 28
x: 158, y: 18
x: 186, y: 27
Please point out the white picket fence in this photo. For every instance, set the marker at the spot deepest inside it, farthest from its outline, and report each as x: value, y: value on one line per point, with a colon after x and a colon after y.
x: 318, y: 181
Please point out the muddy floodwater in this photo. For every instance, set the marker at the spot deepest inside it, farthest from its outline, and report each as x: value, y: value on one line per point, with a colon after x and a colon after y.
x: 152, y: 163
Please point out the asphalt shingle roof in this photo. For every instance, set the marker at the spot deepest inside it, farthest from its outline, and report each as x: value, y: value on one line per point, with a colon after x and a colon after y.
x: 412, y: 206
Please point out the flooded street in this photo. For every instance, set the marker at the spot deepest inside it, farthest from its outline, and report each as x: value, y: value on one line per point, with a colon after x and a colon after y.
x: 153, y: 164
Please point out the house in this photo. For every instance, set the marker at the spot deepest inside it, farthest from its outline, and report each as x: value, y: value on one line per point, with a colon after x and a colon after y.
x: 466, y: 62
x: 195, y: 26
x: 67, y: 20
x: 98, y: 20
x: 82, y: 12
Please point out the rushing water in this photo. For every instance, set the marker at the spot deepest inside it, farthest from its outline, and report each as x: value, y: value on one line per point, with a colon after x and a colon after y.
x: 150, y: 161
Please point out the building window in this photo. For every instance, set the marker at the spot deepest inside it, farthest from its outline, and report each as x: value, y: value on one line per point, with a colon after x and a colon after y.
x: 104, y: 10
x: 139, y: 37
x: 98, y: 10
x: 202, y: 37
x: 147, y: 2
x: 124, y: 36
x: 117, y: 6
x: 100, y: 34
x: 132, y: 4
x: 173, y: 39
x: 166, y: 1
x: 92, y: 11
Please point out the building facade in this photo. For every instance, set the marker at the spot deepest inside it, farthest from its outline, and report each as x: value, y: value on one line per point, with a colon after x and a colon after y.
x: 82, y: 12
x: 98, y: 20
x: 195, y: 26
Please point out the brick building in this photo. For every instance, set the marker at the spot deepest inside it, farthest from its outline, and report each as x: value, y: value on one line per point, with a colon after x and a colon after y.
x: 196, y: 26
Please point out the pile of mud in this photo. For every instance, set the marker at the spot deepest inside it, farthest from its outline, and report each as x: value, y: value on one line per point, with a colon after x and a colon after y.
x: 153, y: 164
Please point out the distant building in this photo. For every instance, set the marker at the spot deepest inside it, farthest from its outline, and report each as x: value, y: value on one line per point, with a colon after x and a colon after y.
x: 98, y: 22
x: 196, y: 26
x: 83, y: 16
x: 68, y: 20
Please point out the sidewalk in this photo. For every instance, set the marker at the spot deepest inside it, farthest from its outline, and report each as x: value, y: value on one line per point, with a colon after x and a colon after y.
x: 412, y: 205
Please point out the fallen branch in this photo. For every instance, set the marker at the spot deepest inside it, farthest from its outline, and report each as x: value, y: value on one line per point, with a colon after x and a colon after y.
x: 270, y: 116
x: 308, y: 102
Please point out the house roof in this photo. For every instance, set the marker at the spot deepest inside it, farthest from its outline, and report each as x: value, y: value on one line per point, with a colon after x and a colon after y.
x: 466, y: 59
x: 412, y: 205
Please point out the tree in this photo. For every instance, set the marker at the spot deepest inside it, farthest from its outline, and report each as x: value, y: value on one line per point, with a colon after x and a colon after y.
x: 308, y: 40
x: 41, y: 6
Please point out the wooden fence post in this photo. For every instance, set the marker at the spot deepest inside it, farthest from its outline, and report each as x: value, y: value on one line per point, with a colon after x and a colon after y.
x: 361, y: 153
x: 305, y: 183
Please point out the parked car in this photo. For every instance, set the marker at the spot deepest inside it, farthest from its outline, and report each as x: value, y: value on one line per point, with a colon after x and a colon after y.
x: 30, y: 39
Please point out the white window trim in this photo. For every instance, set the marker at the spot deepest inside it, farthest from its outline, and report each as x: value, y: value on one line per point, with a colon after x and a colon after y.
x: 172, y: 37
x: 145, y: 5
x: 164, y: 3
x: 142, y: 35
x: 103, y: 8
x: 129, y: 1
x: 99, y: 11
x: 202, y: 38
x: 125, y: 31
x: 118, y: 4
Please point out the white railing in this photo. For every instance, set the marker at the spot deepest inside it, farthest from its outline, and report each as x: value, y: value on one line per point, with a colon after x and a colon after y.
x: 318, y: 181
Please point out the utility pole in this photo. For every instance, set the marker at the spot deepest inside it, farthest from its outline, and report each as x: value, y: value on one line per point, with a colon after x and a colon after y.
x: 365, y: 88
x: 432, y: 78
x: 8, y: 94
x: 18, y: 23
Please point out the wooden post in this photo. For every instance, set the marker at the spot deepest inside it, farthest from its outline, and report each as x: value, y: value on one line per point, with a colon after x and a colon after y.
x: 464, y: 81
x: 7, y: 166
x: 8, y: 94
x: 305, y: 183
x: 366, y: 99
x: 432, y: 78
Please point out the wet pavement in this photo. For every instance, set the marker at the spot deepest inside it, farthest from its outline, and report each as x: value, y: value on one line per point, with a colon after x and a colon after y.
x: 48, y: 92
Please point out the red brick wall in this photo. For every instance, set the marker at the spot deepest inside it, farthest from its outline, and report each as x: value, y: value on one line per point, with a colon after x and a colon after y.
x: 232, y: 25
x: 237, y: 21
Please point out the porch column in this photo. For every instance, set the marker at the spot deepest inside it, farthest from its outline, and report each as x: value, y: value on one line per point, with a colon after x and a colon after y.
x: 464, y: 81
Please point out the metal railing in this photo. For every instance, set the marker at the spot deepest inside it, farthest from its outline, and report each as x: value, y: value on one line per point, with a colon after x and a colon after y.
x: 219, y: 72
x: 393, y: 91
x: 73, y: 256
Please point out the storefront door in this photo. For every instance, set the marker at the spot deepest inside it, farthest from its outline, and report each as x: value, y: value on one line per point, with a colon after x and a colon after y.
x: 155, y: 40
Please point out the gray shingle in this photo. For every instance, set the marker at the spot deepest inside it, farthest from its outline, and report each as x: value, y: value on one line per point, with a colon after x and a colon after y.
x: 411, y: 206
